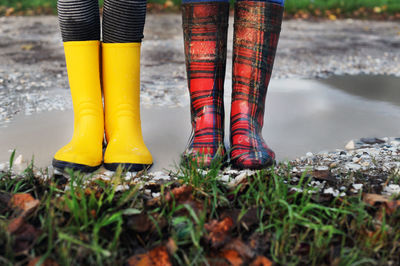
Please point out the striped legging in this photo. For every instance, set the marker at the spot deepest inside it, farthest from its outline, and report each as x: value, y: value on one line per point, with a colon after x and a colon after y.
x: 123, y: 20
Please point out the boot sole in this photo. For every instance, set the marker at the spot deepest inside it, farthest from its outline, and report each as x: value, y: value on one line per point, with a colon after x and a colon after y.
x: 62, y: 165
x: 237, y: 166
x: 130, y: 167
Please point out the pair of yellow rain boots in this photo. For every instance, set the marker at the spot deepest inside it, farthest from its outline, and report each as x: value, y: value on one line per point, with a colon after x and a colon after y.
x: 120, y: 120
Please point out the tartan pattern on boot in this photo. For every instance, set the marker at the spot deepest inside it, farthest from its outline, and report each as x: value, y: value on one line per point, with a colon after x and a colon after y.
x: 205, y: 27
x: 256, y: 34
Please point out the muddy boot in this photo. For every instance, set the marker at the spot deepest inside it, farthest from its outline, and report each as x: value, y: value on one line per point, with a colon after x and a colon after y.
x: 205, y: 26
x: 80, y: 28
x: 123, y: 23
x: 256, y: 34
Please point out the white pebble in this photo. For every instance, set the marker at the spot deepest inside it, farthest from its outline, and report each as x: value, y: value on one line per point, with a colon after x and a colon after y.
x: 322, y: 168
x: 357, y: 186
x: 332, y: 191
x: 353, y: 166
x: 156, y: 194
x: 350, y: 145
x: 19, y: 160
x: 224, y: 178
x: 392, y: 189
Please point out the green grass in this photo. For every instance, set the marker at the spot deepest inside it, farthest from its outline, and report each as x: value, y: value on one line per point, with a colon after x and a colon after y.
x: 292, y: 6
x: 93, y: 224
x: 346, y: 6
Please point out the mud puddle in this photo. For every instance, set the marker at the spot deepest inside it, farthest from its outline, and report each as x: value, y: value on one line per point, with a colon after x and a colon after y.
x: 301, y: 116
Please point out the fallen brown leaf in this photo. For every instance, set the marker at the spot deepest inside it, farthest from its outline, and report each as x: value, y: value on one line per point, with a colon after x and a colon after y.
x: 244, y: 250
x: 180, y: 194
x: 261, y: 261
x: 24, y: 202
x: 246, y: 220
x: 46, y: 262
x: 15, y: 225
x: 171, y: 246
x: 371, y: 199
x: 218, y: 232
x: 390, y: 205
x: 24, y: 237
x: 233, y: 257
x: 155, y: 257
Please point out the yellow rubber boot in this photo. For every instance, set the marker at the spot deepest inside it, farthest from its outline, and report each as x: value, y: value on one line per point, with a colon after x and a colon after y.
x: 121, y: 85
x: 84, y: 152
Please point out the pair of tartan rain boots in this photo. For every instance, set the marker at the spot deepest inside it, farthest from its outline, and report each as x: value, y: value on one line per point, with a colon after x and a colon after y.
x: 256, y: 33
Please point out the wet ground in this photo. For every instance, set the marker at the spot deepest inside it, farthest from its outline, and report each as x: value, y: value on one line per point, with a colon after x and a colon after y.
x: 33, y: 75
x: 302, y: 116
x: 306, y: 111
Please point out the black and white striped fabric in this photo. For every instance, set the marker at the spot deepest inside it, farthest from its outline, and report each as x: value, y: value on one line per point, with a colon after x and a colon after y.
x: 123, y: 20
x: 79, y: 20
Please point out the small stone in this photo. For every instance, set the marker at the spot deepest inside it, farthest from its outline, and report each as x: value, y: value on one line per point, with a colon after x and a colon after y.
x: 365, y: 164
x: 353, y: 166
x: 333, y: 165
x: 332, y: 191
x: 296, y: 189
x: 121, y: 187
x: 309, y: 154
x: 357, y: 186
x: 350, y: 145
x: 155, y: 194
x: 19, y: 160
x: 356, y: 160
x: 372, y: 141
x: 392, y: 189
x: 108, y: 173
x: 322, y: 168
x: 231, y: 172
x: 224, y: 178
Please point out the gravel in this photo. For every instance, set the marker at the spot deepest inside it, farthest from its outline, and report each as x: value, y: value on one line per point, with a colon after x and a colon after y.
x: 369, y: 167
x: 33, y: 76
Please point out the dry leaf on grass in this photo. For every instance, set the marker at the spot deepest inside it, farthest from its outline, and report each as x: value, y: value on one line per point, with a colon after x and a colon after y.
x: 390, y: 205
x: 233, y: 257
x: 155, y: 257
x: 218, y: 232
x: 24, y: 202
x: 24, y: 234
x: 46, y: 262
x: 245, y: 251
x: 180, y: 194
x: 261, y: 261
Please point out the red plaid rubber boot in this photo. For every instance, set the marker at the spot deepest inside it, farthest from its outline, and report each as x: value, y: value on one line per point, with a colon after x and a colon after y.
x: 205, y: 27
x: 256, y: 34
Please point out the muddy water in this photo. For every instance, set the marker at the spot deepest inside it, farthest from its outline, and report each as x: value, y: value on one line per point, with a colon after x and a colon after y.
x: 301, y: 116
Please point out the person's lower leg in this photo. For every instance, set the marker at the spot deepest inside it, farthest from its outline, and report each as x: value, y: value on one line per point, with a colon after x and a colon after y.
x: 205, y: 25
x: 256, y: 34
x: 123, y: 23
x: 80, y: 29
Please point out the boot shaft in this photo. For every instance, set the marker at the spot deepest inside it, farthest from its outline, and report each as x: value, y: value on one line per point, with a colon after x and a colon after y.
x: 256, y: 33
x: 205, y: 28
